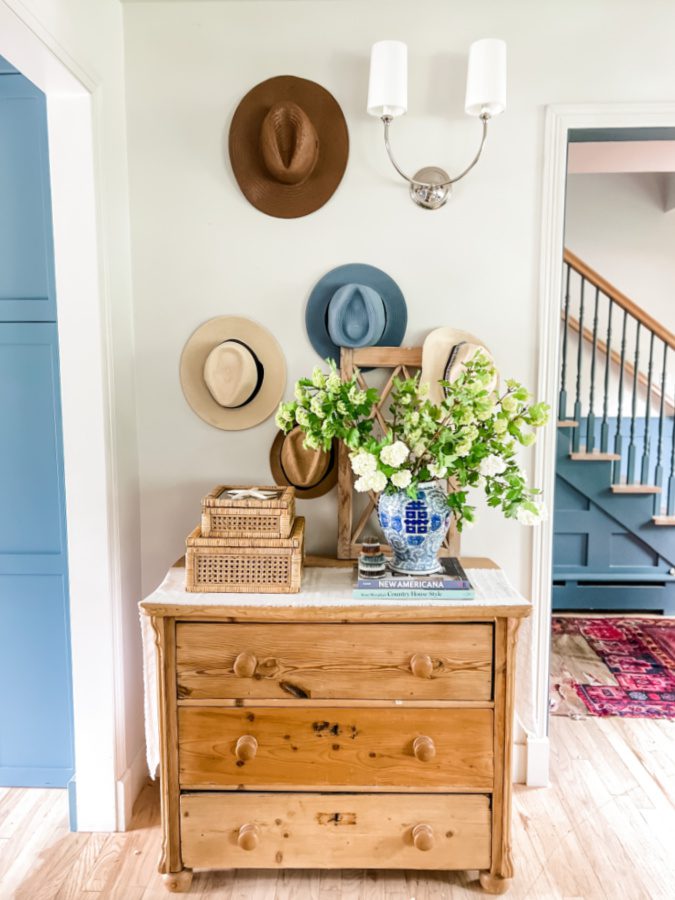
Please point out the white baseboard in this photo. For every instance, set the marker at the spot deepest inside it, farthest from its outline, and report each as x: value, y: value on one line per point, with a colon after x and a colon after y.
x: 530, y: 762
x: 537, y: 762
x: 129, y: 787
x: 519, y: 763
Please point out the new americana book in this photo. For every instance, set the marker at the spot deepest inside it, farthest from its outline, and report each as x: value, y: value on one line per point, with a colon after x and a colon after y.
x: 451, y: 583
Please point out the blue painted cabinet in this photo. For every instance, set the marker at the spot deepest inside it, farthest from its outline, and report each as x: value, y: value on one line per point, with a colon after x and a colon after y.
x: 36, y: 744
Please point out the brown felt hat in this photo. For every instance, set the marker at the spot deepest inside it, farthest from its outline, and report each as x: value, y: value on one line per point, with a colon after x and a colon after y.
x: 311, y: 472
x: 288, y: 146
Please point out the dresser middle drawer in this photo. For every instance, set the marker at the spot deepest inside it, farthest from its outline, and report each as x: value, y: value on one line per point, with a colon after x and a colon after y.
x: 409, y: 662
x: 334, y: 748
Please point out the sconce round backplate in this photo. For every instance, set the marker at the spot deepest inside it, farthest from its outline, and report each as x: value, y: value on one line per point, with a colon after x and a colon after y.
x: 427, y: 191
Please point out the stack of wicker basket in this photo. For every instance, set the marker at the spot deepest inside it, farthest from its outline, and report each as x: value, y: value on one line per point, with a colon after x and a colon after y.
x: 249, y: 541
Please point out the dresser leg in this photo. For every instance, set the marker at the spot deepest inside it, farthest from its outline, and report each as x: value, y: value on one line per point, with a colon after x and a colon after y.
x: 178, y: 882
x: 494, y: 884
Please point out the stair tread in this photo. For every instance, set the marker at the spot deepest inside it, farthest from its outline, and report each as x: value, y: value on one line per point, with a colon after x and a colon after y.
x: 663, y: 520
x: 635, y: 489
x: 582, y: 455
x: 568, y: 423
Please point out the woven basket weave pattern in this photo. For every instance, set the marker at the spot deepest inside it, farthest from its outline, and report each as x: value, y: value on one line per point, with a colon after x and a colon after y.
x: 245, y: 565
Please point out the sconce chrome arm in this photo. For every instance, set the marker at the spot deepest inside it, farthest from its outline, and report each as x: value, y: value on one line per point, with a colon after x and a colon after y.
x: 430, y: 187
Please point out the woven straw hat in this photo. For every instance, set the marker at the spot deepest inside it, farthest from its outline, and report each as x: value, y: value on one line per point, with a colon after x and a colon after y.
x: 444, y: 353
x: 311, y: 472
x: 233, y: 372
x: 288, y: 146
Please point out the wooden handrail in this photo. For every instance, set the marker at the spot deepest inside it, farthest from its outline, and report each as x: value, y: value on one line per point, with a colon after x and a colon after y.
x: 615, y: 356
x: 649, y: 322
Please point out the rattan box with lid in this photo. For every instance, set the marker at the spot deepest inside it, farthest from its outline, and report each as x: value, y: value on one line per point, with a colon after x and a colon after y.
x: 245, y: 565
x: 235, y: 512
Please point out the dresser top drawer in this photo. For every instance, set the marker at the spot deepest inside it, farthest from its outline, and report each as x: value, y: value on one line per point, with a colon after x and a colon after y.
x: 335, y: 831
x: 217, y: 661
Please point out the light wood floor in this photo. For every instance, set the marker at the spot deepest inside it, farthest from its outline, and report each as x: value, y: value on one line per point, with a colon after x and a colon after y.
x: 604, y: 829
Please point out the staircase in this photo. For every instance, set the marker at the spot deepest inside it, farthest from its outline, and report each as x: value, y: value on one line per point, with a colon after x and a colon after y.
x: 614, y: 520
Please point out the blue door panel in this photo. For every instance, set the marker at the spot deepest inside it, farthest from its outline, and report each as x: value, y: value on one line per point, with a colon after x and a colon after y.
x: 36, y: 741
x: 26, y: 251
x: 34, y: 660
x: 31, y: 469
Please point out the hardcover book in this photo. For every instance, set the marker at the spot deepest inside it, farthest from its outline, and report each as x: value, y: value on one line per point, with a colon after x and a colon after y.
x: 451, y: 583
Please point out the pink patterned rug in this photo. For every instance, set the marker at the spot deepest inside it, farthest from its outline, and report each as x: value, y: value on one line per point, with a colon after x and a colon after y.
x: 607, y: 666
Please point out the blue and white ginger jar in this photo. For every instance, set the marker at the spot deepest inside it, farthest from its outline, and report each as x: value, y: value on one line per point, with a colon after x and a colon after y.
x: 415, y: 529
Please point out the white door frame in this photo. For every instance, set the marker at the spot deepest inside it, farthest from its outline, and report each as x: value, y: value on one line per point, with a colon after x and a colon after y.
x: 559, y: 121
x: 73, y: 105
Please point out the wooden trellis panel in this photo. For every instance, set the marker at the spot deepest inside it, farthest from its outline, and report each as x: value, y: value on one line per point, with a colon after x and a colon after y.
x: 353, y: 524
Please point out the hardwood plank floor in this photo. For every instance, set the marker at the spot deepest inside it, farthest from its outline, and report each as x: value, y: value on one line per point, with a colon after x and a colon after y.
x: 604, y: 829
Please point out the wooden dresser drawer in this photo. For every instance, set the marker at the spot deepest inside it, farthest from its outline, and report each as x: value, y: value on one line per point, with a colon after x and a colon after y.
x: 309, y: 747
x: 335, y: 831
x: 423, y: 662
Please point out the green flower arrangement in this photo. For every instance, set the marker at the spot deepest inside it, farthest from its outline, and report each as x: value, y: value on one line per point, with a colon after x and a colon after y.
x: 471, y: 438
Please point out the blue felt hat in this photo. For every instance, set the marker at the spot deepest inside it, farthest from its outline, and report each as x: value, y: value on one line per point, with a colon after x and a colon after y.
x: 355, y: 305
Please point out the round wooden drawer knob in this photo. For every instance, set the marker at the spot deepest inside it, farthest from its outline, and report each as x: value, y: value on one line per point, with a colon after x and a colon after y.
x: 245, y: 665
x: 246, y: 748
x: 424, y: 748
x: 423, y: 837
x: 421, y: 665
x: 249, y: 836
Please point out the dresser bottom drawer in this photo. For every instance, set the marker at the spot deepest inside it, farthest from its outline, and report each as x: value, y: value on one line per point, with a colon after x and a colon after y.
x: 391, y: 831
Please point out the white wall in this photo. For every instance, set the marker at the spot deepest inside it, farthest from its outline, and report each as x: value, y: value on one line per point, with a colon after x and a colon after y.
x: 617, y: 224
x: 73, y: 50
x: 201, y: 250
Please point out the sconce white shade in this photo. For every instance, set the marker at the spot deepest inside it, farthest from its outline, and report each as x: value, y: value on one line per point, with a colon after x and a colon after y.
x: 486, y: 78
x: 388, y: 86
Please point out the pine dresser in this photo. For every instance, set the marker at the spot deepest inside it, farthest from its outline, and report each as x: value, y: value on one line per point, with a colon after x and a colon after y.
x: 314, y: 731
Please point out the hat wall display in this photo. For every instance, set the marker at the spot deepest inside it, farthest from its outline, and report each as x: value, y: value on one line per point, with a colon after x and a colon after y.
x: 288, y: 146
x: 311, y: 472
x: 444, y: 353
x: 355, y: 305
x: 233, y: 372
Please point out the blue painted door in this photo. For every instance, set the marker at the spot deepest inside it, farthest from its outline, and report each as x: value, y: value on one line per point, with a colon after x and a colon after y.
x: 36, y: 745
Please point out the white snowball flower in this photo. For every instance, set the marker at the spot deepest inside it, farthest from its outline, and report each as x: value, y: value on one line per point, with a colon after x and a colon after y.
x: 401, y: 479
x: 437, y: 471
x: 316, y: 407
x: 527, y: 517
x: 377, y: 481
x: 394, y: 454
x: 333, y: 382
x: 363, y: 463
x: 492, y: 465
x: 373, y: 481
x: 418, y: 449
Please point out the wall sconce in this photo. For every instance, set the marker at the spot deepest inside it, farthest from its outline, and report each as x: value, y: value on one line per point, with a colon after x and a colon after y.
x: 388, y: 98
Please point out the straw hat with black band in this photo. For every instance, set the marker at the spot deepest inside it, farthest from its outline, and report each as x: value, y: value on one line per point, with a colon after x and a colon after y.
x: 288, y: 146
x: 444, y: 354
x: 311, y: 472
x: 233, y: 372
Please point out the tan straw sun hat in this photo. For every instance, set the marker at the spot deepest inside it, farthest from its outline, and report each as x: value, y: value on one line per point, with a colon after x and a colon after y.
x: 311, y: 472
x: 444, y: 353
x: 233, y: 372
x: 288, y: 146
